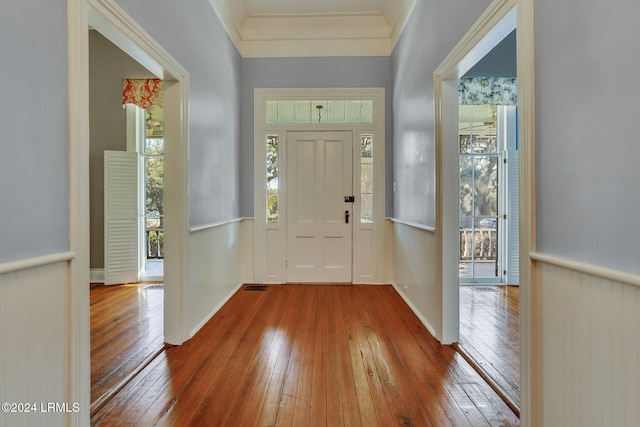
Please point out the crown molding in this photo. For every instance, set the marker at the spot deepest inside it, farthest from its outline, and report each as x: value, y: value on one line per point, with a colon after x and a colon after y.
x: 309, y: 35
x: 232, y: 20
x: 278, y: 28
x: 316, y: 48
x: 403, y: 12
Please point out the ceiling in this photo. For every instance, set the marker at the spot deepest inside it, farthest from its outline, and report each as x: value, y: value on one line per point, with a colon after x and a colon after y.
x: 312, y: 7
x: 278, y: 28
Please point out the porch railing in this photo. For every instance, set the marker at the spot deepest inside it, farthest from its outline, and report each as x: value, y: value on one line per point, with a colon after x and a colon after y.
x: 484, y: 246
x: 155, y: 243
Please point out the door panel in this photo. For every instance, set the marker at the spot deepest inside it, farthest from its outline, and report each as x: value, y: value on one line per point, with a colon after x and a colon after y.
x: 319, y: 240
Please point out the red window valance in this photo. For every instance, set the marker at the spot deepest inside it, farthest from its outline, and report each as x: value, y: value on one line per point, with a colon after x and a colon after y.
x: 142, y: 92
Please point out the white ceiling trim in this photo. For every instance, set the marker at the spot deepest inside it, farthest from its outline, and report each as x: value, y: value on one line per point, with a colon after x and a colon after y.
x: 306, y: 35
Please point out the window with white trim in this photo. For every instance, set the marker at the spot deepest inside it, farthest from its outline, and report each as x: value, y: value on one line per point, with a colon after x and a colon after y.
x: 272, y: 169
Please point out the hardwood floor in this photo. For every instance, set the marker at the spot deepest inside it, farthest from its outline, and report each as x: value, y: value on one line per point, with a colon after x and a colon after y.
x: 490, y: 335
x: 309, y: 356
x: 126, y: 332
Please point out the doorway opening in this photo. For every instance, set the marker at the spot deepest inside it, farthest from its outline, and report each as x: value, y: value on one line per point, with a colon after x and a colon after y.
x: 488, y: 272
x: 489, y: 221
x: 126, y: 319
x: 493, y: 26
x: 169, y: 298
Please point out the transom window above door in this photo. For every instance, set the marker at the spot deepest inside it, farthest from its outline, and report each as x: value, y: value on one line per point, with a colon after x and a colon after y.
x: 328, y: 111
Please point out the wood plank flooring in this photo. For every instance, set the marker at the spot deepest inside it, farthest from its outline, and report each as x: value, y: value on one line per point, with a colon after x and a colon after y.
x: 126, y: 331
x: 299, y: 355
x: 490, y: 334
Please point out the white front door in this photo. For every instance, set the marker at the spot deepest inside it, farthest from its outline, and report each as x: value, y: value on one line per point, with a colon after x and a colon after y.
x: 319, y: 221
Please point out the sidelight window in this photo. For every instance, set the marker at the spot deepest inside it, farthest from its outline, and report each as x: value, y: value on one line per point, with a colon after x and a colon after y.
x: 366, y: 178
x: 272, y: 160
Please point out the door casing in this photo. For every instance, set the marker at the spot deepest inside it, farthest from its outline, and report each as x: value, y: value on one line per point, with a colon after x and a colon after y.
x: 269, y: 239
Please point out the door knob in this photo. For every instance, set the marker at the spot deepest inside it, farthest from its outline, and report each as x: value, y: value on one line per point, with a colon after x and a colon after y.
x: 346, y: 217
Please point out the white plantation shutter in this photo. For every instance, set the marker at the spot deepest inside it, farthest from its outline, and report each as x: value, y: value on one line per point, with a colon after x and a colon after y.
x: 120, y: 217
x: 508, y: 128
x: 513, y: 240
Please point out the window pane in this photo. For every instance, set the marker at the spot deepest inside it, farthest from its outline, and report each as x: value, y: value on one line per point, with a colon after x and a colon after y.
x: 367, y: 112
x: 366, y: 179
x: 285, y: 112
x: 154, y: 185
x: 486, y: 185
x: 272, y: 111
x: 465, y: 144
x: 367, y: 208
x: 272, y: 178
x: 486, y: 244
x: 484, y: 144
x: 367, y: 176
x: 336, y: 112
x: 352, y: 111
x: 272, y: 208
x: 153, y: 146
x: 466, y: 187
x: 477, y: 126
x: 303, y: 111
x: 154, y: 122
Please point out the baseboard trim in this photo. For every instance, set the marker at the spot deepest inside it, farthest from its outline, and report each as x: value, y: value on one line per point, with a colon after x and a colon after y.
x: 581, y: 267
x: 214, y: 311
x: 96, y: 275
x: 26, y: 264
x: 413, y: 308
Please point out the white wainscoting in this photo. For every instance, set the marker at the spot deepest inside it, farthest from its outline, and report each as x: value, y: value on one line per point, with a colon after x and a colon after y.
x: 215, y: 269
x: 389, y: 251
x: 590, y: 345
x: 34, y: 341
x: 246, y: 243
x: 415, y: 272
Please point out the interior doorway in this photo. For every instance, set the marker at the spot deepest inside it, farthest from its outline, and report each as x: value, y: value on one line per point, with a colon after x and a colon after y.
x: 496, y: 23
x: 489, y: 246
x: 121, y: 30
x: 126, y: 319
x: 488, y: 199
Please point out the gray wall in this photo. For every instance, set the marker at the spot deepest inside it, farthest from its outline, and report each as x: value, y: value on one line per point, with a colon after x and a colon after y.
x: 432, y: 31
x: 500, y: 62
x: 307, y: 73
x: 34, y: 173
x: 194, y: 36
x: 587, y: 145
x: 108, y: 65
